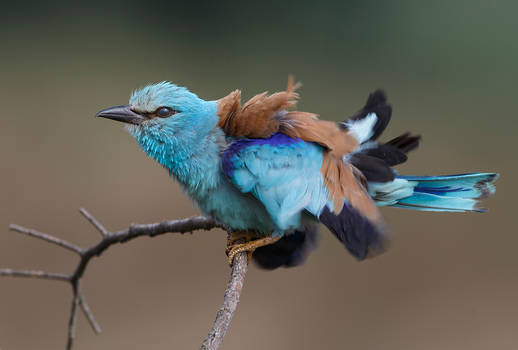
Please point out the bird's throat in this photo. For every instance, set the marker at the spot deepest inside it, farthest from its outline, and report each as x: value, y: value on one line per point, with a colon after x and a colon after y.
x: 195, y: 163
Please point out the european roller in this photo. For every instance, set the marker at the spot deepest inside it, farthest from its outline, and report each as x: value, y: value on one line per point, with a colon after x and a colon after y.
x: 270, y: 173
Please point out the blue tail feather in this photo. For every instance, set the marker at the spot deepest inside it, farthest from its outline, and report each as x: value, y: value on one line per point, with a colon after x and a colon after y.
x: 432, y: 202
x: 450, y: 193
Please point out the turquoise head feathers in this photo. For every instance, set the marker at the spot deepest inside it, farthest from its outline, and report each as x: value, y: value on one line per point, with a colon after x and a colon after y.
x: 175, y: 127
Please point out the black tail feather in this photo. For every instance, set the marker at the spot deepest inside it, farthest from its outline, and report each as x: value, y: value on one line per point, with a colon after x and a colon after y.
x: 375, y: 163
x: 405, y: 143
x: 394, y: 151
x: 373, y: 159
x: 361, y: 237
x: 373, y: 166
x: 376, y: 103
x: 390, y: 155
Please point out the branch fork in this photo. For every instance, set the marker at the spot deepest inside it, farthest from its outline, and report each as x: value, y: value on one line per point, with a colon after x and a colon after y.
x: 224, y: 314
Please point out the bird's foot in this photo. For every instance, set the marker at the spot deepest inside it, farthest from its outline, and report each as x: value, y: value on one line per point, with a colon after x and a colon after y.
x: 249, y: 247
x: 241, y: 236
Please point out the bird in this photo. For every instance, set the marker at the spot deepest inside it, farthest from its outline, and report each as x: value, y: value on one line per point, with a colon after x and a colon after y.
x: 271, y: 174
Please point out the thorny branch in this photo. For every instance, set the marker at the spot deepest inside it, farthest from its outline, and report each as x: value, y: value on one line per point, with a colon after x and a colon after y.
x: 232, y: 293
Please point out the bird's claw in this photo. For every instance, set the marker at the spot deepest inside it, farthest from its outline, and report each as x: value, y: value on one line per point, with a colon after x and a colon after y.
x: 235, y: 248
x: 241, y: 236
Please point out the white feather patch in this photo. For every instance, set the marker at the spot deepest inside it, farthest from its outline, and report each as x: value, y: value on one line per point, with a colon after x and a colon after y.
x: 388, y: 193
x: 362, y: 129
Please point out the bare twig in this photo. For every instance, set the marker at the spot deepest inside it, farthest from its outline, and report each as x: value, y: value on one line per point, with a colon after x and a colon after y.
x: 232, y: 293
x: 51, y: 239
x: 94, y: 221
x: 89, y: 315
x: 35, y: 274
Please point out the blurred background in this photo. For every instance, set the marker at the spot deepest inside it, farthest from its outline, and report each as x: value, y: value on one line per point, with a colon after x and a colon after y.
x: 450, y: 71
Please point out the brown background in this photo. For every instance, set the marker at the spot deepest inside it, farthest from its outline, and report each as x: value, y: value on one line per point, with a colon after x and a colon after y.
x: 448, y: 281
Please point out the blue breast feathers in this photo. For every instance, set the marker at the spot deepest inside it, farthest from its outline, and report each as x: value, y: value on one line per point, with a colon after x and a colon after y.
x: 281, y: 172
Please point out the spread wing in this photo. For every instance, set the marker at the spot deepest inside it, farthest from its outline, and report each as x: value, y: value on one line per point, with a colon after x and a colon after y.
x: 289, y: 176
x: 293, y: 162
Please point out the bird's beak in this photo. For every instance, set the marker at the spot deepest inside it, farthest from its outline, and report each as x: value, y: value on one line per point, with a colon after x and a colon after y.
x: 122, y: 114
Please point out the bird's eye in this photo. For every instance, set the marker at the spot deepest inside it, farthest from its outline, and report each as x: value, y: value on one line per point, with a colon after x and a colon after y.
x: 164, y: 112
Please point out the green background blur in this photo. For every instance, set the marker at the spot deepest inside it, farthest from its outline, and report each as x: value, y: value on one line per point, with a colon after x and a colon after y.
x: 450, y: 70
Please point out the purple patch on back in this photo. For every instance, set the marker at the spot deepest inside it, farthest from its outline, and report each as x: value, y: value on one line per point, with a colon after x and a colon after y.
x: 276, y: 139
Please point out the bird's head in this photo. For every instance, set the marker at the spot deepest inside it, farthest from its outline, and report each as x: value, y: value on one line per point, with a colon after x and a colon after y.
x: 176, y: 128
x: 164, y: 112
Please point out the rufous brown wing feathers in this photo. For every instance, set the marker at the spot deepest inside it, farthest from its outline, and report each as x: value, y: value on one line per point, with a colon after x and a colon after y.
x: 263, y: 115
